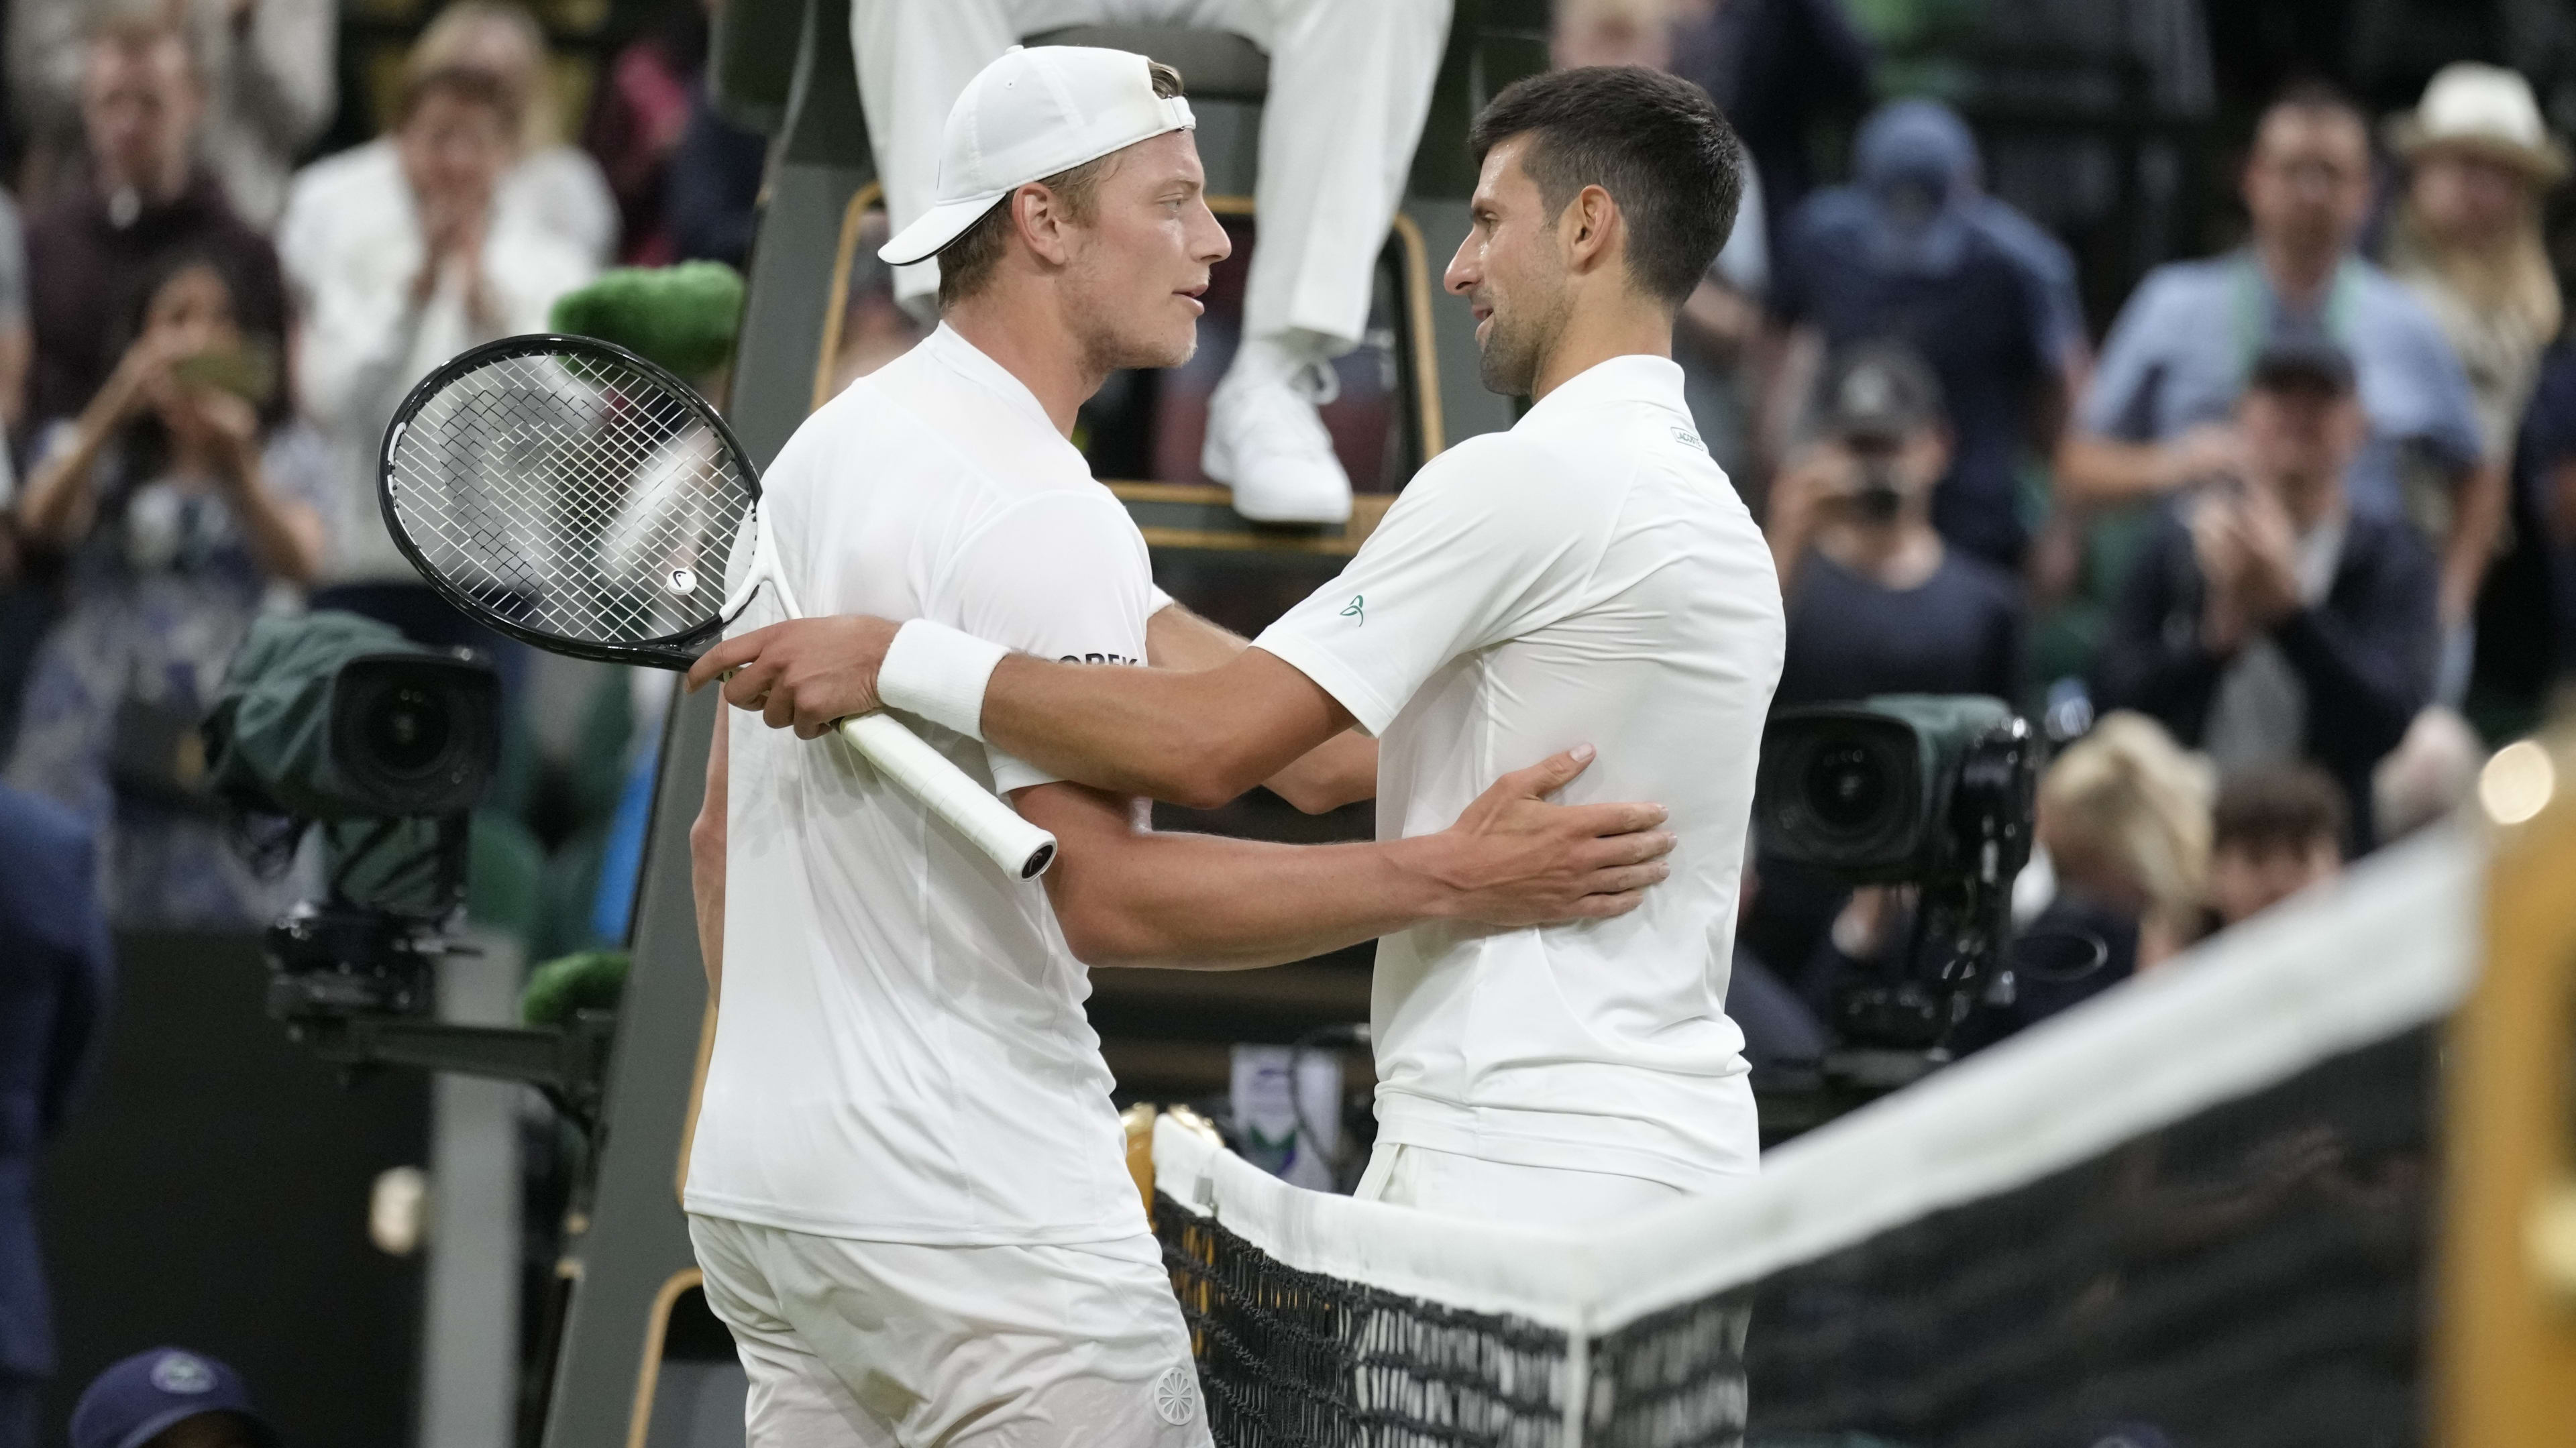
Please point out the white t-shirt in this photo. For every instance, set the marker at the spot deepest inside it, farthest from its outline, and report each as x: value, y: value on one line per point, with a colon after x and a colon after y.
x: 1587, y: 577
x: 901, y: 1054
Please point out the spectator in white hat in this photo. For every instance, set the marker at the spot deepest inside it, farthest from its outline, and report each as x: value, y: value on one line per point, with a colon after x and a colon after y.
x: 2467, y: 236
x: 1350, y: 83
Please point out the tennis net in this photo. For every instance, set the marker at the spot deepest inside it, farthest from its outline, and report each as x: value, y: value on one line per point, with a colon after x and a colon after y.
x: 2192, y: 1213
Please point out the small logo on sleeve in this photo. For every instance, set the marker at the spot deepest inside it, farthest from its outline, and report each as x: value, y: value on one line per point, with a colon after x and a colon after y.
x: 1358, y: 608
x: 1688, y: 438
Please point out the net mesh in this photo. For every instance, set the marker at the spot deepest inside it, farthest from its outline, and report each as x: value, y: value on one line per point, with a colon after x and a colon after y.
x: 2243, y: 1271
x: 573, y: 495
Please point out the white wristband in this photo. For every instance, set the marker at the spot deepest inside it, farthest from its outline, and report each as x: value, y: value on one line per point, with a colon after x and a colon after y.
x: 939, y: 673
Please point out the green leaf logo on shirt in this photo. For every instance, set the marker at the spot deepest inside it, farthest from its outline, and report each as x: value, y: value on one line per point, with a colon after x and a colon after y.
x: 1358, y: 608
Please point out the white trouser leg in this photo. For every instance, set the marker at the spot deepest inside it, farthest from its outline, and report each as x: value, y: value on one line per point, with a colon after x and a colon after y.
x: 1350, y: 83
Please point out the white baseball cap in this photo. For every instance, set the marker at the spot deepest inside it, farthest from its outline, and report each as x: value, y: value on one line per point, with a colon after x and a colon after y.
x: 1027, y: 116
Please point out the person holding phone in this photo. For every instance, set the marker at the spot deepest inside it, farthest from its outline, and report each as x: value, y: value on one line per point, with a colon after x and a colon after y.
x: 183, y: 501
x: 1877, y: 602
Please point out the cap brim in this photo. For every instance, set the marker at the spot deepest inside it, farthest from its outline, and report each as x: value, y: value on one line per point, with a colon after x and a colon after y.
x: 931, y: 231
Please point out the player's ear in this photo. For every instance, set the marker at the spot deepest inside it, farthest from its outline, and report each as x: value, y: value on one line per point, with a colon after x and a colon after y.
x: 1038, y: 214
x: 1586, y: 228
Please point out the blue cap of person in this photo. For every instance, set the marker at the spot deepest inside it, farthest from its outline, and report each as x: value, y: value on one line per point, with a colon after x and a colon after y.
x: 140, y: 1398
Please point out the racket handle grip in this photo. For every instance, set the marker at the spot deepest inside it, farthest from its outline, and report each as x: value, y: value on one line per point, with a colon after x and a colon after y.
x: 1022, y: 849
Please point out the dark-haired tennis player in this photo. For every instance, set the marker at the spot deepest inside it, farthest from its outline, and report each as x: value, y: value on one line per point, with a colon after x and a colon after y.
x: 1587, y: 576
x: 907, y: 1187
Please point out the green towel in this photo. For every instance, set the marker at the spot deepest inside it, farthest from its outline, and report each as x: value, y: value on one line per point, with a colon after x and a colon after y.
x: 591, y: 980
x: 683, y: 317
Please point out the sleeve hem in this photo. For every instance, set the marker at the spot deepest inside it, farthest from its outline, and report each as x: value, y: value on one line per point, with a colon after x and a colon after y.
x: 1332, y: 676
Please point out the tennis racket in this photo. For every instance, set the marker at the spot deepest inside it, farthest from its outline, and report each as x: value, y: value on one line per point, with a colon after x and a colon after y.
x: 578, y: 498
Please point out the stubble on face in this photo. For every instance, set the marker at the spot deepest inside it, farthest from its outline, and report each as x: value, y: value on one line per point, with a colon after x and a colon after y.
x: 1521, y: 288
x: 1138, y: 252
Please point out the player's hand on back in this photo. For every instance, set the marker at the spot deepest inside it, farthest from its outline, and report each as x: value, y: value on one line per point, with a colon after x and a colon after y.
x: 1517, y: 860
x: 807, y: 674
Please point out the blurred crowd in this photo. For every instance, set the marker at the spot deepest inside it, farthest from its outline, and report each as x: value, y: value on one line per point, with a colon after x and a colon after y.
x: 2246, y: 528
x: 2269, y: 523
x: 204, y: 330
x: 2236, y: 543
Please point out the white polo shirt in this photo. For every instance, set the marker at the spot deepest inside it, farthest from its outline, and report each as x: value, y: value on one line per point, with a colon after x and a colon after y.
x: 1587, y: 577
x: 901, y: 1053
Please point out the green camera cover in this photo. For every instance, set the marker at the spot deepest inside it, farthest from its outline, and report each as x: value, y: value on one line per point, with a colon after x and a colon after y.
x: 268, y: 738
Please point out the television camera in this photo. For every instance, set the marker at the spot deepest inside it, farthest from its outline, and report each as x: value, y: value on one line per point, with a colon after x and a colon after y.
x: 334, y: 723
x: 1934, y: 792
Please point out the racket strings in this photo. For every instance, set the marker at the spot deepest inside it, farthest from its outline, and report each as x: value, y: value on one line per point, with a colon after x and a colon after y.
x: 573, y: 495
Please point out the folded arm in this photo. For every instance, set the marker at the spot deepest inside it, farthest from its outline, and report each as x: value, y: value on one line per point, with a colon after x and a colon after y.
x: 1127, y: 895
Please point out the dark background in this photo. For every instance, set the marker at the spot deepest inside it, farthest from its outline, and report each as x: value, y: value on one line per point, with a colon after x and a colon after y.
x: 211, y: 1192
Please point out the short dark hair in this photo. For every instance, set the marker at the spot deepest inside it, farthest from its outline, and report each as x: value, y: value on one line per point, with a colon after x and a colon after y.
x: 1655, y: 142
x: 465, y: 83
x: 967, y: 263
x: 2315, y: 94
x: 2278, y: 809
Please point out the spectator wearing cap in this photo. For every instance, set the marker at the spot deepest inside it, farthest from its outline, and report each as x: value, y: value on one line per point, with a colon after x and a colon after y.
x: 169, y: 1398
x: 1915, y: 251
x: 2269, y: 618
x: 55, y: 976
x: 1878, y: 601
x: 2466, y: 237
x: 2274, y: 832
x: 142, y: 108
x: 2159, y: 414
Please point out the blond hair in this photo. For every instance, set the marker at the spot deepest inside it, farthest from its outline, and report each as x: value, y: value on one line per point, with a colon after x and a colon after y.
x: 2511, y: 277
x: 2128, y: 810
x: 447, y: 43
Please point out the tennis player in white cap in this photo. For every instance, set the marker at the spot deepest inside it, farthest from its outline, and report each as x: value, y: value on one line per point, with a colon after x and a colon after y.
x: 907, y: 1188
x: 1587, y: 576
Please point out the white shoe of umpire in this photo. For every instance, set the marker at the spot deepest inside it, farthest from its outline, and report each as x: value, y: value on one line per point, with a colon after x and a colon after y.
x: 1265, y: 440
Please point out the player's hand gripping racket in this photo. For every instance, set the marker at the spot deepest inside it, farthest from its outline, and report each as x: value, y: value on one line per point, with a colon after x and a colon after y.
x: 576, y: 496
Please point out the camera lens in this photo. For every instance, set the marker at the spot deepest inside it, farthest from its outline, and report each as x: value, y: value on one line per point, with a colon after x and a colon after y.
x: 1847, y: 785
x: 407, y: 731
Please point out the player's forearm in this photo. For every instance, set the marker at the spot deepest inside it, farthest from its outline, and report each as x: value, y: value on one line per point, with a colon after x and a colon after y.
x: 1205, y: 903
x: 1160, y: 733
x: 1341, y: 770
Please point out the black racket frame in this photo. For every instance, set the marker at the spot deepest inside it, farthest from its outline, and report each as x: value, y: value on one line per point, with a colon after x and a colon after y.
x: 670, y: 651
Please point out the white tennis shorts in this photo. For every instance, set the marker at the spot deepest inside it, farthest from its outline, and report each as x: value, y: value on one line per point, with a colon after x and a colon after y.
x: 892, y: 1345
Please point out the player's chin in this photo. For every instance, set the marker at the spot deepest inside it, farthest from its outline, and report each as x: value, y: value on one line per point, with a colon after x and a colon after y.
x: 1168, y: 345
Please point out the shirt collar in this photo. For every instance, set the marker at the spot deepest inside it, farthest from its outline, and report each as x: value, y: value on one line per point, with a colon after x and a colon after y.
x: 947, y: 347
x: 1629, y: 377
